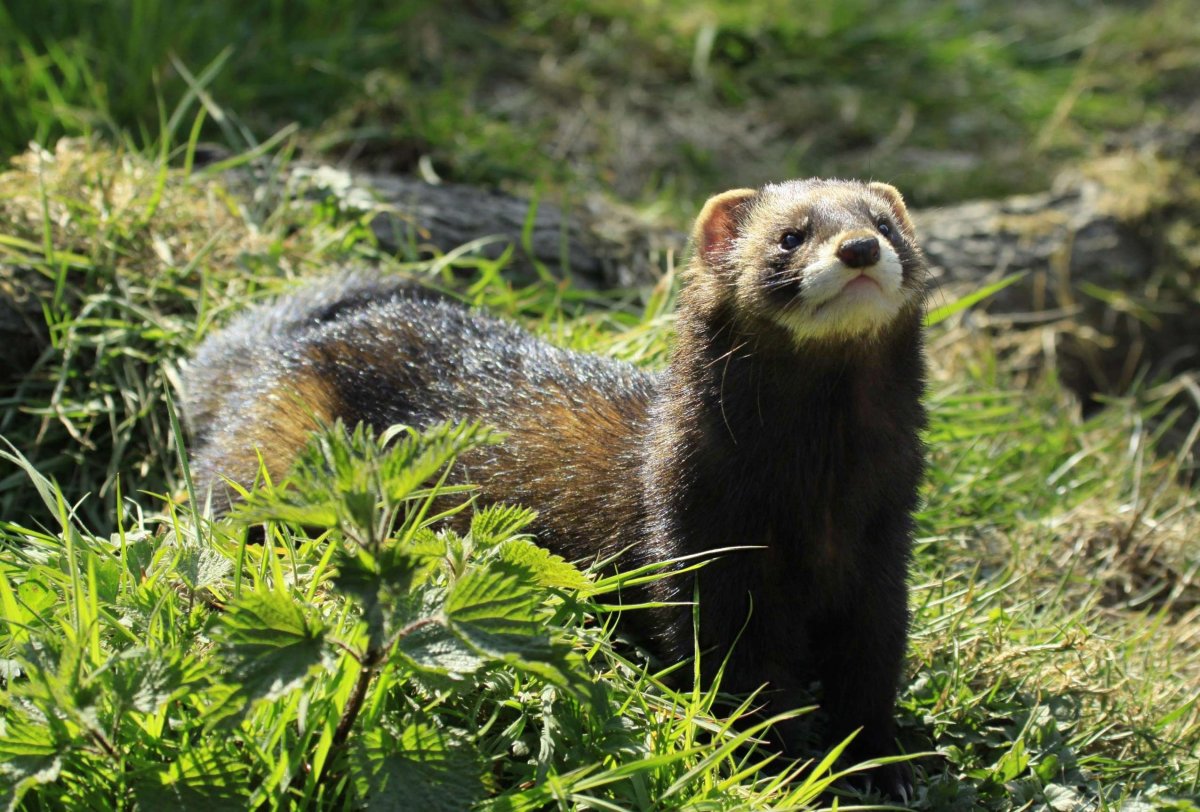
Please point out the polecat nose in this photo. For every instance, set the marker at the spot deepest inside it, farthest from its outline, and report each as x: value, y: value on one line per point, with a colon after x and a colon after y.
x: 859, y: 253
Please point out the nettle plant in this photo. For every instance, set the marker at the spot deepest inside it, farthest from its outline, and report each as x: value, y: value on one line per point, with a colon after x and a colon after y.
x: 360, y: 651
x: 366, y: 656
x: 425, y: 622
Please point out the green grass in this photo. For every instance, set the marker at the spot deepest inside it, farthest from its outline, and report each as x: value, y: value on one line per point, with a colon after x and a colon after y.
x: 1053, y: 657
x: 659, y: 103
x: 149, y: 656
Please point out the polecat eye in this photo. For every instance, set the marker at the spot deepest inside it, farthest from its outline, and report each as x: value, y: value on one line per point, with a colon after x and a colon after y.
x: 884, y: 228
x: 791, y: 240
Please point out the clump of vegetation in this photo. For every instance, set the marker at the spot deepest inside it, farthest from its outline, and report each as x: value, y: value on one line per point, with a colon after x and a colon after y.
x: 376, y: 657
x: 125, y: 265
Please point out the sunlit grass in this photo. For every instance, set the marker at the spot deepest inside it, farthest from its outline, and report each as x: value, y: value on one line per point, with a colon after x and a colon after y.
x: 658, y: 103
x: 1054, y: 656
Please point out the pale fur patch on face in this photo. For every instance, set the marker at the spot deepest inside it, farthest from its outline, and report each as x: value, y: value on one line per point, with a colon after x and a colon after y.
x: 828, y: 310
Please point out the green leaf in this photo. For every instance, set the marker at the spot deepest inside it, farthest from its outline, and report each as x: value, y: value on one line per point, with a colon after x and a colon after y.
x: 940, y: 314
x: 343, y: 478
x: 1012, y: 763
x: 435, y: 649
x: 16, y: 612
x: 54, y: 666
x: 360, y: 507
x: 494, y: 611
x: 497, y: 600
x: 491, y: 615
x: 207, y: 777
x: 421, y: 768
x: 498, y: 523
x: 144, y: 680
x: 427, y: 544
x: 272, y: 505
x: 384, y: 585
x: 35, y: 596
x: 546, y: 568
x: 270, y: 644
x: 413, y: 461
x: 200, y: 566
x: 400, y: 569
x: 1048, y: 768
x: 29, y: 757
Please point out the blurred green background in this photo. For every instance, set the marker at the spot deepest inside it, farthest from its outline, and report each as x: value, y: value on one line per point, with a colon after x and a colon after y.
x: 657, y: 102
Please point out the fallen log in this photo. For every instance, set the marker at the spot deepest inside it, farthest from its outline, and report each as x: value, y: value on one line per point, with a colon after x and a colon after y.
x: 1111, y: 247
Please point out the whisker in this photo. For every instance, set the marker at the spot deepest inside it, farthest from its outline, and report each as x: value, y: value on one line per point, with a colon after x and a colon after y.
x: 725, y: 356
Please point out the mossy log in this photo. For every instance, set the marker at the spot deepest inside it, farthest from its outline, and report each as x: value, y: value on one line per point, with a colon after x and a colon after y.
x: 595, y: 243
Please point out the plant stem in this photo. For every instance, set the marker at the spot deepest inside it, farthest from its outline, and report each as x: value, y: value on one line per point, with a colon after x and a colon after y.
x: 354, y: 703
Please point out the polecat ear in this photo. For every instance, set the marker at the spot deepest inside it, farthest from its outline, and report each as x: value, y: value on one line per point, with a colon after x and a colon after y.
x: 896, y: 203
x: 718, y: 223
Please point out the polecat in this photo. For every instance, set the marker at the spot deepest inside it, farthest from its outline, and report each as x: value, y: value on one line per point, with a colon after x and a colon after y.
x: 788, y: 420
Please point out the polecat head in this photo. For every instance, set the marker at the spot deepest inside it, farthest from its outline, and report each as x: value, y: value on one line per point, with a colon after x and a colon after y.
x: 824, y: 259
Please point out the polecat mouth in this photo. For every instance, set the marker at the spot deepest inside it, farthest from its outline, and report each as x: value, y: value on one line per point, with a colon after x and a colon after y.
x: 828, y: 277
x: 862, y: 282
x: 836, y: 299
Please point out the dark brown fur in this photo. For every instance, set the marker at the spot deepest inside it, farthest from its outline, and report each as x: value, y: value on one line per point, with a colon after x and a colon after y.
x: 806, y: 448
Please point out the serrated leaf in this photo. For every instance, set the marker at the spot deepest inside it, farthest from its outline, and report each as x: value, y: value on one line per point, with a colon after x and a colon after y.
x: 362, y: 573
x: 139, y: 553
x: 24, y: 739
x: 342, y: 477
x: 274, y: 505
x: 498, y: 597
x: 143, y: 680
x: 433, y: 648
x: 54, y: 666
x: 384, y: 584
x: 271, y: 644
x: 223, y: 705
x: 107, y: 583
x: 494, y: 611
x: 411, y: 462
x: 201, y: 566
x: 202, y: 779
x: 29, y: 757
x: 1062, y: 798
x: 421, y: 769
x: 360, y: 506
x: 498, y: 523
x: 425, y: 542
x: 546, y: 568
